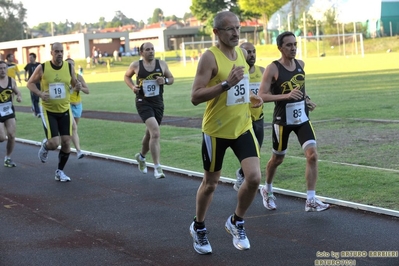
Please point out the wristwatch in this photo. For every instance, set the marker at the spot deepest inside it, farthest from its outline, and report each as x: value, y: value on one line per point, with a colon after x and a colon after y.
x: 166, y: 81
x: 225, y: 85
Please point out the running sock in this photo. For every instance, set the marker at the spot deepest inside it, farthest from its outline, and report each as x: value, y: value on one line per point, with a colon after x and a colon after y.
x: 198, y: 225
x: 62, y: 159
x: 236, y: 218
x: 241, y: 172
x: 269, y: 188
x: 311, y: 194
x: 142, y: 157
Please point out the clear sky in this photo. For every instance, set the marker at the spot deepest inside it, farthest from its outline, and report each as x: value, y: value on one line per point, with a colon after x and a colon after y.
x: 89, y: 11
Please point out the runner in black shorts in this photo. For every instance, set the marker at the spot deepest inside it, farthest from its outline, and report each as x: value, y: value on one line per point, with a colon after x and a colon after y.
x: 56, y: 76
x: 284, y: 84
x: 255, y: 77
x: 222, y: 83
x: 8, y: 87
x: 151, y: 77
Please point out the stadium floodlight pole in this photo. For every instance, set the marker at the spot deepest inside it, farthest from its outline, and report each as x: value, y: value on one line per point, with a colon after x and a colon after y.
x: 279, y: 23
x: 354, y: 36
x: 288, y: 20
x: 317, y: 38
x: 304, y: 34
x: 343, y: 37
x: 183, y: 54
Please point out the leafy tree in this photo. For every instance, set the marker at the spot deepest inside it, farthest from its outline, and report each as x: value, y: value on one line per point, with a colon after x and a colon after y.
x: 12, y: 23
x: 297, y: 9
x: 120, y: 20
x: 204, y: 11
x: 157, y: 16
x: 172, y: 18
x: 102, y: 23
x: 264, y: 8
x: 187, y: 16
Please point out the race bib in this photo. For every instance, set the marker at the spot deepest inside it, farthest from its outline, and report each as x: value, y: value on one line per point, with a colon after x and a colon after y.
x: 150, y: 88
x: 254, y: 87
x: 239, y: 93
x: 5, y: 109
x: 296, y: 113
x: 57, y: 91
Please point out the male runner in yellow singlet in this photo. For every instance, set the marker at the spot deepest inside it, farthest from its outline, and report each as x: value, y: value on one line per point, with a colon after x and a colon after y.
x: 255, y: 76
x: 55, y: 77
x: 222, y: 82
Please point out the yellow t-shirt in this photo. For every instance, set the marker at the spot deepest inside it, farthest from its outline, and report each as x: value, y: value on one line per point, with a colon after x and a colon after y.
x: 227, y: 116
x: 56, y: 83
x: 75, y: 95
x: 12, y: 70
x: 254, y: 81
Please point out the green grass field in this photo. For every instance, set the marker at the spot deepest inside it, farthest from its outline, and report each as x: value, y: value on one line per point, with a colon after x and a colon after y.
x: 355, y: 97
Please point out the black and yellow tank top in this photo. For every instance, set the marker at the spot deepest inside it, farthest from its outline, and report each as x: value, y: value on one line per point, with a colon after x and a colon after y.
x: 6, y: 99
x: 150, y: 90
x: 55, y: 82
x: 285, y: 83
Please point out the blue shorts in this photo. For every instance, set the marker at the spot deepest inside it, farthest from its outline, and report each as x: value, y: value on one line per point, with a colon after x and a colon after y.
x: 77, y: 110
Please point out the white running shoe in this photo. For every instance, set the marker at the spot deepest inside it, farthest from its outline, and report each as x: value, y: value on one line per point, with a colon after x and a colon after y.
x: 9, y: 163
x: 141, y: 163
x: 200, y: 240
x: 158, y: 173
x: 315, y: 205
x: 269, y: 200
x: 240, y: 240
x: 80, y: 154
x: 61, y: 176
x: 239, y: 181
x: 43, y: 153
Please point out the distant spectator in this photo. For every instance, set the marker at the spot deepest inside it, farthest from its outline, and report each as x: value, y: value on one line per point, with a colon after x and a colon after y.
x: 29, y: 69
x: 115, y: 54
x: 12, y: 68
x: 80, y: 70
x: 121, y: 51
x: 95, y: 55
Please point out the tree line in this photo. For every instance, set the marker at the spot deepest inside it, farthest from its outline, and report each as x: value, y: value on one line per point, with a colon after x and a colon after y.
x: 14, y: 27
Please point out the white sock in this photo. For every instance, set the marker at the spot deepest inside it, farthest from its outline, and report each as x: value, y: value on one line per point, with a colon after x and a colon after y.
x: 269, y: 188
x: 311, y: 194
x: 156, y: 166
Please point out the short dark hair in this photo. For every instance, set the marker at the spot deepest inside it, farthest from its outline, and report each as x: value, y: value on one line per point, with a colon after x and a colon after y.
x: 2, y: 62
x: 8, y: 56
x: 281, y: 37
x: 33, y: 54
